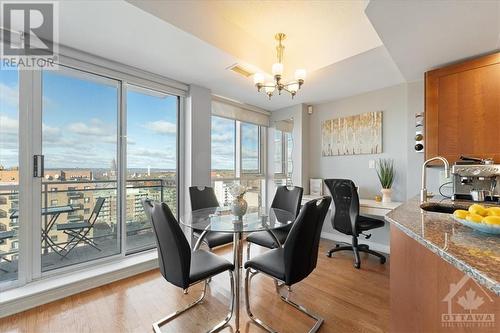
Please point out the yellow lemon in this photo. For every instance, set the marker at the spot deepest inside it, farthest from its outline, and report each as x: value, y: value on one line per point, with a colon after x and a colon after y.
x: 460, y: 213
x: 492, y: 220
x: 477, y: 209
x: 474, y: 218
x: 493, y: 211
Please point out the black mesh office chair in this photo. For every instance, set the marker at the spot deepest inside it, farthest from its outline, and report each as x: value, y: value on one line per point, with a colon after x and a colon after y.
x: 286, y: 199
x: 347, y: 220
x: 294, y: 261
x: 178, y: 264
x: 204, y: 197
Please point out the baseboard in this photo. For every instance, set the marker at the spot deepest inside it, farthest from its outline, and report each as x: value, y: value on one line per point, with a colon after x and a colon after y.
x: 44, y: 291
x: 347, y: 239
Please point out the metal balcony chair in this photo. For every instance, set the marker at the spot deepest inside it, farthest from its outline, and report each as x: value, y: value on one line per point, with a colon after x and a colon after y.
x: 180, y: 266
x: 204, y: 197
x: 78, y: 231
x: 294, y: 261
x: 286, y: 199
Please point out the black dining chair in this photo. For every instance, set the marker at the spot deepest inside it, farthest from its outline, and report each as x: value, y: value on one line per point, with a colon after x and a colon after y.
x: 285, y: 199
x: 294, y: 261
x: 204, y: 197
x: 347, y: 220
x: 179, y: 265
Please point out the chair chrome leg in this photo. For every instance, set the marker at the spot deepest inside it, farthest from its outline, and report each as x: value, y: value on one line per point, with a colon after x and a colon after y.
x: 260, y: 323
x: 319, y: 320
x: 218, y: 327
x: 256, y: 320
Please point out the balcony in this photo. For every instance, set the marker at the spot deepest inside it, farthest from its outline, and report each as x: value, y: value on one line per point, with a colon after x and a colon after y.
x: 104, y: 234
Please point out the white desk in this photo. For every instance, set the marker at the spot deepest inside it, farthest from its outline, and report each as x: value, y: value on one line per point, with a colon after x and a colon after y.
x: 366, y: 206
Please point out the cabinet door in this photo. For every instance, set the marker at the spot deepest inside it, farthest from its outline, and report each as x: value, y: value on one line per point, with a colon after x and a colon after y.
x: 463, y: 109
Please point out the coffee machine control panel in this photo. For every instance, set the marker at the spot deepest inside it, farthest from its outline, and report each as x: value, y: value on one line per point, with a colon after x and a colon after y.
x: 491, y: 170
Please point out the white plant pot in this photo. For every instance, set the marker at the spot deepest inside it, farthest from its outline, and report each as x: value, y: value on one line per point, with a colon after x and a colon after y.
x: 386, y: 194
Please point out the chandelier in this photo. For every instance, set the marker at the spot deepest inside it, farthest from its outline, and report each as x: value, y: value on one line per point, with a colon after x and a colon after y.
x: 270, y: 87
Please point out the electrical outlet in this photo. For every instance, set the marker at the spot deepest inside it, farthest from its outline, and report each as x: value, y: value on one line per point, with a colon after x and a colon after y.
x: 371, y: 164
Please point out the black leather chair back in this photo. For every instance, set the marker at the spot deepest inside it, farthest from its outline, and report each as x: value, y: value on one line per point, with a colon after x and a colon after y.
x: 345, y: 205
x: 202, y: 197
x: 174, y: 253
x: 302, y: 244
x: 287, y: 199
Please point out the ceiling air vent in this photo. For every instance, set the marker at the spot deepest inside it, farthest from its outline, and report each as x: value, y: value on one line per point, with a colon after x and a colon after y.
x: 240, y: 70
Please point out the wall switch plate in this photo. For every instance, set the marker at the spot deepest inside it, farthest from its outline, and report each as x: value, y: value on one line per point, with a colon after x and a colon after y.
x: 371, y: 164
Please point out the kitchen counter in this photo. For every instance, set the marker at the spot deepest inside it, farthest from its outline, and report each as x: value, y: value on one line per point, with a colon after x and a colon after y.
x: 475, y: 254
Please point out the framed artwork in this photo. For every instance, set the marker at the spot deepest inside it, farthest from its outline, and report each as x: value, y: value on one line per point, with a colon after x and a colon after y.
x: 354, y: 135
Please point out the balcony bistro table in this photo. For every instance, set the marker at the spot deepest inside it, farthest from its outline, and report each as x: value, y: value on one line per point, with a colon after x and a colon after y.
x: 54, y: 213
x: 220, y: 220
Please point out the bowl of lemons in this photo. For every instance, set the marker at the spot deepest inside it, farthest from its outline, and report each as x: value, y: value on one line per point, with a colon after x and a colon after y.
x: 480, y: 218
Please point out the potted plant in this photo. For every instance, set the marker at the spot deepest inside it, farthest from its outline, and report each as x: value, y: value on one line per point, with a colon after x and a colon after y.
x: 386, y: 173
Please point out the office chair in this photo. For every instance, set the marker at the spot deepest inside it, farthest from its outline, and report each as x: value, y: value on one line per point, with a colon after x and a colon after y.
x: 347, y: 220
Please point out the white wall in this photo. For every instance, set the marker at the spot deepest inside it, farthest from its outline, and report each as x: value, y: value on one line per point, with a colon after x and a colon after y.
x: 197, y: 140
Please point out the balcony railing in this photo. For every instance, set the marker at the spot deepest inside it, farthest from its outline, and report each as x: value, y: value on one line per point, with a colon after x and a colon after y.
x: 105, y: 232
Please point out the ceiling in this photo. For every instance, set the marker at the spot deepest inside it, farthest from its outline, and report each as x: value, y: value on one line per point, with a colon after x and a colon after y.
x: 348, y: 47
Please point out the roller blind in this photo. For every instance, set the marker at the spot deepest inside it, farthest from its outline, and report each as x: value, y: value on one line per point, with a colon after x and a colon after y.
x: 284, y: 125
x: 233, y: 110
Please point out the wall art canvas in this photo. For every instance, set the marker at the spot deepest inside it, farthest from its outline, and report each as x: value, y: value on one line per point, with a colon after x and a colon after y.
x: 354, y: 135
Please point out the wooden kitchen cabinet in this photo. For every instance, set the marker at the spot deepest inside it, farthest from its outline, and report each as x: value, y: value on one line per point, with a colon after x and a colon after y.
x: 462, y: 109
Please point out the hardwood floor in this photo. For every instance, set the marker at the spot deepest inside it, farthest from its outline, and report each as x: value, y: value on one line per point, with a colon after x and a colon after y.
x: 349, y: 300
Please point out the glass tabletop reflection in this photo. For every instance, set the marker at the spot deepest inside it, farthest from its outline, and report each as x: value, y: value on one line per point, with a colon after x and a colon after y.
x: 220, y: 219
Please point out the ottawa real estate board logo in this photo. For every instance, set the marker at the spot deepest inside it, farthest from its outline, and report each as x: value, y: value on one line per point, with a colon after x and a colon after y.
x: 29, y: 33
x: 468, y: 306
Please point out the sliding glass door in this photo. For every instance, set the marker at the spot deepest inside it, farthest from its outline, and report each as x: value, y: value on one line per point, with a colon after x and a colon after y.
x: 9, y: 173
x: 88, y: 144
x: 79, y: 186
x: 151, y: 159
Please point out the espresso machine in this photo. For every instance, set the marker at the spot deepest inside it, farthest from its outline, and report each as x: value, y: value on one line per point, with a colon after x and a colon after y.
x: 476, y: 179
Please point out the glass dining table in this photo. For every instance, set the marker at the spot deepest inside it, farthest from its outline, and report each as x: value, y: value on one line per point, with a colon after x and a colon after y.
x: 220, y: 220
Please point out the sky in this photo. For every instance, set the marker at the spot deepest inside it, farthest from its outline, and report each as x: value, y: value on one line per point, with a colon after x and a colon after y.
x: 224, y: 145
x: 80, y: 122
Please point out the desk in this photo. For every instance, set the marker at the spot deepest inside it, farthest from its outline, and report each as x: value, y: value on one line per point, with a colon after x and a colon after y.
x: 366, y: 206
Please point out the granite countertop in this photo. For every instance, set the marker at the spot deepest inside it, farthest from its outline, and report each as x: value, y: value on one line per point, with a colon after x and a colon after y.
x: 472, y: 252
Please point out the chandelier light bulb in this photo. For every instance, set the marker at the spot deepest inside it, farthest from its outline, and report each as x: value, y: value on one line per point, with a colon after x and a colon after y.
x: 277, y: 69
x: 300, y: 74
x: 258, y: 78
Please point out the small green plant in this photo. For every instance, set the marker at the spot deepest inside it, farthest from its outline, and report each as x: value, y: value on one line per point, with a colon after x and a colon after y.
x: 385, y: 172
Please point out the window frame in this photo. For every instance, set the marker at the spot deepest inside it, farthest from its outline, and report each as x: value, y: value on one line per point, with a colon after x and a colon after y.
x: 30, y: 98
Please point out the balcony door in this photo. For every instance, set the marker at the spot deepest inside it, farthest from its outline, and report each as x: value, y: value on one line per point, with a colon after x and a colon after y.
x: 80, y: 200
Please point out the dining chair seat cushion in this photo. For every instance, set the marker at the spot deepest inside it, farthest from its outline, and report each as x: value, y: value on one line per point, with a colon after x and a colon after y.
x: 73, y: 225
x: 365, y: 223
x: 271, y: 263
x: 263, y: 238
x: 214, y: 239
x: 205, y: 264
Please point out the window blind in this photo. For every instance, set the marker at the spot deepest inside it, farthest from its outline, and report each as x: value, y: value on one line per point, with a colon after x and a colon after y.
x: 232, y: 110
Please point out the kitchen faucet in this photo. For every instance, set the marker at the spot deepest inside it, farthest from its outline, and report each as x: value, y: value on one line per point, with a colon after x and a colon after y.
x: 423, y: 190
